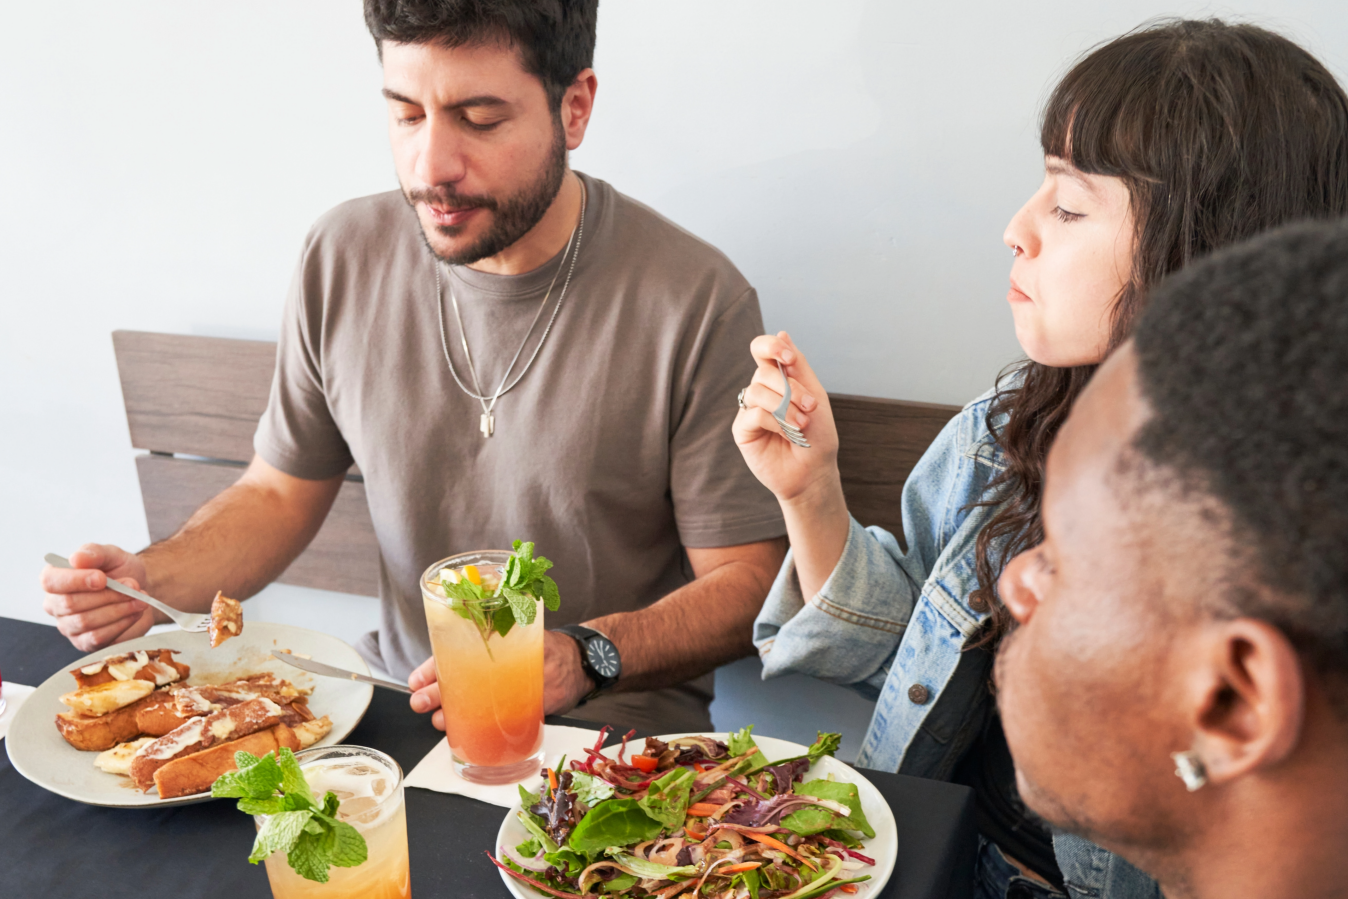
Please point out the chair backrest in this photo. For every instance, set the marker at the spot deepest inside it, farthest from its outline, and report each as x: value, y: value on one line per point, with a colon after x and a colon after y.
x: 193, y: 403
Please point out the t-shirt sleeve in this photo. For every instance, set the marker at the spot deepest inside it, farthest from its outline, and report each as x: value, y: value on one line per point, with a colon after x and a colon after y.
x: 717, y: 499
x: 297, y: 434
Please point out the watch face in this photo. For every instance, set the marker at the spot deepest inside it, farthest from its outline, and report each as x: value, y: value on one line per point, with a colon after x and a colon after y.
x: 602, y: 657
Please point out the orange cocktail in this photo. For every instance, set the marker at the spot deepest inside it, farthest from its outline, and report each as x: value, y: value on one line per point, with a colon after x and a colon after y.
x: 491, y: 685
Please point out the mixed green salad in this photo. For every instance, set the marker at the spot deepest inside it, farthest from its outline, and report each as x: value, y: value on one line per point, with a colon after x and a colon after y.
x: 694, y: 817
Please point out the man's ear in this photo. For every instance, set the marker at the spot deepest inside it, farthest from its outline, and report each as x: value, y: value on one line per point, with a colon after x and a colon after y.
x: 577, y: 104
x: 1251, y: 699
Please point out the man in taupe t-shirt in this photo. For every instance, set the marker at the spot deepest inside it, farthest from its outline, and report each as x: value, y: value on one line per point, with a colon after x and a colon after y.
x: 507, y: 349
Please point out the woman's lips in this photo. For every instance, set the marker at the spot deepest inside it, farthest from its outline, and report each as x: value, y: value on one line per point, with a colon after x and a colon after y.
x: 444, y: 216
x: 1016, y: 295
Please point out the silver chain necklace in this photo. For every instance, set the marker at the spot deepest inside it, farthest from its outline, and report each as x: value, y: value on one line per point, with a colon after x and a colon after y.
x: 488, y: 421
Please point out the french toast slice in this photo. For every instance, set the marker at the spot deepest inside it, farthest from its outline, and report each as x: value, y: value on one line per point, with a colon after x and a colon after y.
x: 154, y: 665
x: 202, y: 733
x: 95, y: 733
x: 159, y: 714
x: 311, y: 731
x: 104, y: 698
x: 195, y: 772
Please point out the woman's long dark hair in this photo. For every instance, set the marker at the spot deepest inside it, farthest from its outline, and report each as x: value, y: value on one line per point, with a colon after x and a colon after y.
x: 1219, y: 132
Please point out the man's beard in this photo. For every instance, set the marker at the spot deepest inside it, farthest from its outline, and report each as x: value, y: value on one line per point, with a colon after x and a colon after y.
x: 512, y: 217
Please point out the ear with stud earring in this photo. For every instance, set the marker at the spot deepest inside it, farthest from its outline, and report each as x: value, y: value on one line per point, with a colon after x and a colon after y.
x: 1190, y: 769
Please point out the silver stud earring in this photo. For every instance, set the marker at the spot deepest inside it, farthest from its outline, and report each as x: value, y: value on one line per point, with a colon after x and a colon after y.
x: 1190, y: 769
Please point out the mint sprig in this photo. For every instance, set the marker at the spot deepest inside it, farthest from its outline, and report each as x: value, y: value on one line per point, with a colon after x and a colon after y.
x: 310, y: 835
x: 524, y: 582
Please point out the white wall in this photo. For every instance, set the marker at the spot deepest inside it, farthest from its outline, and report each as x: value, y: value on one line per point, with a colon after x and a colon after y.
x: 160, y: 163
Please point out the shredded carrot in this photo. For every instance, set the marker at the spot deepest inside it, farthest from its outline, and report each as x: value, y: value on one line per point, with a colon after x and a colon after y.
x: 848, y: 888
x: 703, y: 809
x: 736, y: 869
x: 694, y: 834
x: 778, y: 844
x: 644, y: 763
x: 552, y: 779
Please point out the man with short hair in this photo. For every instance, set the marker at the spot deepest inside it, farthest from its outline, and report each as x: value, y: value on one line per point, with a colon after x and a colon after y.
x: 508, y: 349
x: 1177, y: 690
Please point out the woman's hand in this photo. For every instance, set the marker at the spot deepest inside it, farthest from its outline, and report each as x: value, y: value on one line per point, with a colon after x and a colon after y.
x: 789, y: 471
x: 805, y: 480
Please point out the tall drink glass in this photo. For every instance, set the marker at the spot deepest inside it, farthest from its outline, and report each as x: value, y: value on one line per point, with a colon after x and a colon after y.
x: 370, y: 787
x: 491, y: 687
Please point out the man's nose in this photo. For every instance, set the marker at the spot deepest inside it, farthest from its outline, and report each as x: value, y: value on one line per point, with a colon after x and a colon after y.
x: 1015, y: 589
x: 440, y: 158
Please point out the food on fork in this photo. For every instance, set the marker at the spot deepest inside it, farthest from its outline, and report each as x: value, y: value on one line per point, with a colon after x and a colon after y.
x: 202, y: 733
x: 196, y: 772
x: 154, y: 665
x: 109, y: 697
x: 226, y: 619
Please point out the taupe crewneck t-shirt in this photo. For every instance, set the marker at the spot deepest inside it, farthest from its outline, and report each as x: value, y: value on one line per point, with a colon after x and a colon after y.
x: 612, y: 453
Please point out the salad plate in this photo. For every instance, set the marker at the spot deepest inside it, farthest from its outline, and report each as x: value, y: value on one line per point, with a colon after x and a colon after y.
x: 882, y: 848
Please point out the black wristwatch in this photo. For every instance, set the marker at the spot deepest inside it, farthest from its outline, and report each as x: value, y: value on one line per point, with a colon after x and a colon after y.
x: 598, y: 657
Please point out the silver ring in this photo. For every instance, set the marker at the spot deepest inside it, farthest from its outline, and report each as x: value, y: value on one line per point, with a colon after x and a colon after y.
x: 740, y: 399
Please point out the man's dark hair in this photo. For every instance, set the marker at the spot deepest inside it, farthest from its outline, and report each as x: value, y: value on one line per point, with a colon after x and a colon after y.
x: 1243, y: 359
x: 555, y: 38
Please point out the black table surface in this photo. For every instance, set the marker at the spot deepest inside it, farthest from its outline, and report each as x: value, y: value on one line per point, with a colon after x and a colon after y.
x: 52, y: 847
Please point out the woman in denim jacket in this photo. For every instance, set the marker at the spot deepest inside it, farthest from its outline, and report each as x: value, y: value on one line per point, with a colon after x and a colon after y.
x: 1159, y: 147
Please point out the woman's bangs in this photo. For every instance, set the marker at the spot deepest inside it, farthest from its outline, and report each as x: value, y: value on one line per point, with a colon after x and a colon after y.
x: 1102, y: 114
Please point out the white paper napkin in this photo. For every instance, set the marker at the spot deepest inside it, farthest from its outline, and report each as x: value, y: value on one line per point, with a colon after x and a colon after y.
x: 14, y: 695
x: 435, y: 772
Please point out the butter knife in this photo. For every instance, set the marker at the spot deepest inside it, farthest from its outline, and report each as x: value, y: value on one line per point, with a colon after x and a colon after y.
x: 329, y: 671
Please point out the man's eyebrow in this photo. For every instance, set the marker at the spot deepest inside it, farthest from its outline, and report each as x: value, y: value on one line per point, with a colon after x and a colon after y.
x: 1067, y: 170
x: 479, y: 101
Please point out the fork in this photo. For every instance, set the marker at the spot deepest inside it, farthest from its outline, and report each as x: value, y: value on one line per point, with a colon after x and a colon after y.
x: 790, y: 431
x: 191, y: 622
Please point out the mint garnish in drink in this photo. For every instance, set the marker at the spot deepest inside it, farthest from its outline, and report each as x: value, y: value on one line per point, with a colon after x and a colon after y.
x: 309, y: 834
x: 524, y: 583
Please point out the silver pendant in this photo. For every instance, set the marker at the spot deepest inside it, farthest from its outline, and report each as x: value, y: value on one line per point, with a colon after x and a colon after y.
x: 488, y: 424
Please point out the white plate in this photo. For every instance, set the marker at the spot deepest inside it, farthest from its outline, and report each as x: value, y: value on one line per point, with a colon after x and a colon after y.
x: 41, y: 754
x: 883, y: 847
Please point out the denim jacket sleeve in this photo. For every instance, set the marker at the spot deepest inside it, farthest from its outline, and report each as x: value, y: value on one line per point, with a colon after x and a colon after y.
x: 851, y: 631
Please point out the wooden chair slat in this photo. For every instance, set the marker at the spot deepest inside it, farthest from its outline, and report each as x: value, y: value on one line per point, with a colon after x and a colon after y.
x: 201, y: 396
x: 879, y: 442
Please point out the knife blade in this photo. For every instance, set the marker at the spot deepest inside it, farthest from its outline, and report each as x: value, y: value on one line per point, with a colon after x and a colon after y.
x: 331, y: 671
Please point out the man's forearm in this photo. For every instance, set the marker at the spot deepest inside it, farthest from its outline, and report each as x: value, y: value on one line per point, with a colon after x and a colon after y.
x: 240, y: 540
x: 698, y: 627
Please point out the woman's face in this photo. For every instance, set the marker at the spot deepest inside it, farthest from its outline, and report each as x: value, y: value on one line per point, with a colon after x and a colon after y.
x: 1074, y: 243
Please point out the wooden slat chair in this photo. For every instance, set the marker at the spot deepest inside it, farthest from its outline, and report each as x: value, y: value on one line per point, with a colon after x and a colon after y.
x: 194, y: 402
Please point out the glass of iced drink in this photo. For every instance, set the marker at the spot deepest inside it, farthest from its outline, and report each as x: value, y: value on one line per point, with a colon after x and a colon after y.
x: 370, y: 787
x: 491, y: 685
